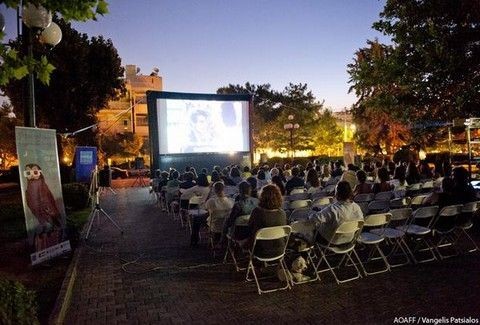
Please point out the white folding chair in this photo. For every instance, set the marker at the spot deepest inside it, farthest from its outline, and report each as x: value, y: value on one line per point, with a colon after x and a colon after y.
x: 215, y: 223
x: 298, y: 196
x: 427, y: 186
x: 300, y: 214
x: 298, y: 204
x: 233, y: 244
x: 305, y: 229
x: 400, y: 203
x: 419, y: 233
x: 444, y: 226
x: 277, y: 236
x: 378, y: 206
x: 368, y: 238
x: 322, y: 202
x: 465, y: 223
x: 329, y: 189
x: 417, y: 201
x: 396, y: 237
x: 297, y: 190
x: 350, y: 230
x: 384, y: 196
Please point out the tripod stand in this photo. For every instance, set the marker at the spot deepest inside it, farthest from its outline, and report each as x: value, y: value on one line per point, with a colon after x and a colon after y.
x: 140, y: 179
x: 96, y: 208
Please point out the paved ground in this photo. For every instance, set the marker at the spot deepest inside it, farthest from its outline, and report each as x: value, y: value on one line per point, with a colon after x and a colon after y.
x: 104, y: 293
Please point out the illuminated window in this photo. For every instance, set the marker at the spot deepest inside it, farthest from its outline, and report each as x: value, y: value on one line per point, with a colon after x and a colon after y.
x: 142, y: 120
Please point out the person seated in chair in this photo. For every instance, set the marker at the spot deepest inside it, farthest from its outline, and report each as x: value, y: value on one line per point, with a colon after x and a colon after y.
x: 384, y: 181
x: 332, y: 216
x: 269, y: 213
x: 362, y: 187
x: 295, y: 181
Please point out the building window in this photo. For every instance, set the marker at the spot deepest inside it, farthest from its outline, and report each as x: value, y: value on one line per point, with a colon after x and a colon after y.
x: 142, y: 120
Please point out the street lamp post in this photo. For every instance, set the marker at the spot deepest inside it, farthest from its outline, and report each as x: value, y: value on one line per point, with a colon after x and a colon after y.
x: 291, y: 127
x: 38, y: 22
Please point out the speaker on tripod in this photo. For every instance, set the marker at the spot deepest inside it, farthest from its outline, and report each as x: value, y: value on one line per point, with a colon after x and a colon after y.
x: 105, y: 179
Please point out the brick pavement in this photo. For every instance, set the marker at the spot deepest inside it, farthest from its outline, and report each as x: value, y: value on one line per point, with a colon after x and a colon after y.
x: 104, y: 294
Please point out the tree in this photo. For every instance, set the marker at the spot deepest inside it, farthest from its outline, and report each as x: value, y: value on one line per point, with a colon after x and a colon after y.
x: 317, y: 130
x: 430, y: 72
x: 8, y: 151
x: 15, y: 65
x: 88, y: 75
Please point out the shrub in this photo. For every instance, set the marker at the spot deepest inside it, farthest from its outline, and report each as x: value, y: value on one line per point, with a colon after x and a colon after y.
x: 17, y: 304
x: 75, y: 196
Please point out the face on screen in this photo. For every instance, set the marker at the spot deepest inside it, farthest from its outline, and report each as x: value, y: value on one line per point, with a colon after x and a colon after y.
x: 191, y: 126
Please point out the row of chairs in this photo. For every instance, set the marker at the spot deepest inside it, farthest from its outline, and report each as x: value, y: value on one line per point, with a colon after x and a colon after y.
x: 386, y: 236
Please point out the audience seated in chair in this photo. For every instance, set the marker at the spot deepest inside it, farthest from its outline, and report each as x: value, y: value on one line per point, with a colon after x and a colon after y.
x: 269, y: 213
x: 383, y: 178
x: 295, y: 181
x: 362, y: 187
x: 332, y: 216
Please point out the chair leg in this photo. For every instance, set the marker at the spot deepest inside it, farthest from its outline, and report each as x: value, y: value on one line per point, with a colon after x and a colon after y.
x: 464, y: 232
x: 428, y: 247
x: 251, y: 267
x: 398, y: 245
x: 331, y: 269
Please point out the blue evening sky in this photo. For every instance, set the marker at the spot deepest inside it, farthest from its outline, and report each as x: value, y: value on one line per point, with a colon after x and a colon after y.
x: 200, y: 46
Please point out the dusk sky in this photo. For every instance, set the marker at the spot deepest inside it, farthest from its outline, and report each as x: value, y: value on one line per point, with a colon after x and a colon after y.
x: 200, y: 46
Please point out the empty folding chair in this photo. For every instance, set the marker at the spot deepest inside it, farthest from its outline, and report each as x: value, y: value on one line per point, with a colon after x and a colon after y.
x: 300, y: 214
x: 396, y: 237
x: 233, y: 243
x: 465, y: 223
x: 368, y: 238
x: 418, y: 234
x: 417, y: 201
x: 444, y: 227
x: 366, y: 197
x: 427, y: 187
x: 268, y: 237
x: 298, y: 204
x: 384, y: 196
x: 378, y: 206
x: 329, y: 189
x: 305, y: 230
x: 400, y: 203
x: 297, y: 190
x: 298, y: 196
x: 414, y: 189
x: 342, y: 244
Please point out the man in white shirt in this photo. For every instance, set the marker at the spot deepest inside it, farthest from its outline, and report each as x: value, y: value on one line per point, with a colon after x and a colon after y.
x: 332, y: 216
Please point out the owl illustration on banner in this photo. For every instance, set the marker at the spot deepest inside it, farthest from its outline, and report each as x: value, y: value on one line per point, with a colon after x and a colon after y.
x: 41, y: 202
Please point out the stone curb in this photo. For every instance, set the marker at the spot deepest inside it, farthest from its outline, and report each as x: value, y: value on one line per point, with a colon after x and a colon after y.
x: 64, y: 296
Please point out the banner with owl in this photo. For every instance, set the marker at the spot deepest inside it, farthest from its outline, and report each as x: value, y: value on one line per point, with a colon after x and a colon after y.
x: 41, y: 193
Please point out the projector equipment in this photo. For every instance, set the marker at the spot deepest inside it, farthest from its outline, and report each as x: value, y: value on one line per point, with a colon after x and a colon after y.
x: 96, y: 208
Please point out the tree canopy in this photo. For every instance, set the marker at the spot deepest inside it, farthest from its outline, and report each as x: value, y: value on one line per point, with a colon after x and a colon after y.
x: 317, y: 126
x: 15, y: 65
x: 88, y: 75
x: 431, y: 71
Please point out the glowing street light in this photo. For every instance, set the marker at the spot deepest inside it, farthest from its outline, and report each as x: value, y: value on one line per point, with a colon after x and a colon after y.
x: 291, y: 127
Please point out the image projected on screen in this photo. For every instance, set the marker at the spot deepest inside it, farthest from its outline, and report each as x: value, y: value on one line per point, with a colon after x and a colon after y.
x: 194, y: 126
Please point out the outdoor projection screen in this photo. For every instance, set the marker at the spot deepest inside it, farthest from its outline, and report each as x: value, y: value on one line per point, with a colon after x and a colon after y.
x: 201, y: 123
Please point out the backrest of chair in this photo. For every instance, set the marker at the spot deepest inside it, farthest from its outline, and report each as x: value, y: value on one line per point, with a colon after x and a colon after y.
x: 326, y: 200
x: 196, y: 199
x: 230, y: 190
x: 242, y: 220
x: 297, y: 190
x: 299, y: 214
x: 298, y: 196
x: 378, y: 206
x: 217, y: 219
x: 428, y: 185
x: 471, y: 207
x: 299, y: 204
x: 273, y: 233
x: 306, y: 228
x: 329, y: 189
x: 418, y: 200
x: 414, y: 187
x: 425, y: 212
x: 333, y: 181
x: 384, y: 196
x: 349, y: 227
x: 377, y: 220
x: 399, y: 194
x: 401, y: 214
x: 347, y: 232
x: 366, y: 197
x: 451, y: 210
x: 318, y: 195
x: 400, y: 203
